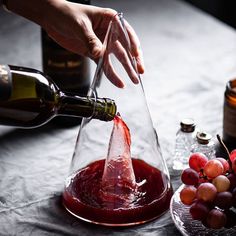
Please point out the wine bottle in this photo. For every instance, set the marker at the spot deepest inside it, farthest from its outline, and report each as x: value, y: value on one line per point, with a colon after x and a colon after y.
x: 69, y: 70
x: 29, y: 99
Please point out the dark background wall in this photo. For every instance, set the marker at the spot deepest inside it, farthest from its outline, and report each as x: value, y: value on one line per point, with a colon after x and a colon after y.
x: 225, y: 10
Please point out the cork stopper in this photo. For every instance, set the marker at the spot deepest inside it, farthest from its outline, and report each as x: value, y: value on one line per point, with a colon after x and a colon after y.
x: 231, y: 88
x: 187, y: 125
x: 203, y: 137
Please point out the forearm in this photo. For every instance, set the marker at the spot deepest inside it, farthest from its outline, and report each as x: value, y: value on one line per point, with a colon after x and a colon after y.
x: 34, y: 10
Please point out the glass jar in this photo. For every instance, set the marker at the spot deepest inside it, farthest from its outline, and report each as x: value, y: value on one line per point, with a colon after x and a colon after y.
x: 185, y: 138
x: 204, y: 144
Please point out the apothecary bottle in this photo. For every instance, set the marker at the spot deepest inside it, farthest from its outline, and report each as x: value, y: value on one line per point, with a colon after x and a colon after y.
x: 229, y: 118
x: 204, y: 144
x: 28, y: 99
x: 185, y: 138
x: 70, y: 71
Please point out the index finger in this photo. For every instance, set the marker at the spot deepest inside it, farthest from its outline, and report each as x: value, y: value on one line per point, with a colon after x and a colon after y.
x: 134, y: 40
x: 135, y: 47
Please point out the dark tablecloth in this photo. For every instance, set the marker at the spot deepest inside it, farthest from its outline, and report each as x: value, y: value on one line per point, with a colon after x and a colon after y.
x: 189, y: 56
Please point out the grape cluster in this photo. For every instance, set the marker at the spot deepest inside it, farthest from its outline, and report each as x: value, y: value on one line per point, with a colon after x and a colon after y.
x: 210, y: 190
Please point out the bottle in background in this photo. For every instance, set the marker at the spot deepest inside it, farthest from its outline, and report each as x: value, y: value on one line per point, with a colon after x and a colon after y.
x: 229, y: 120
x: 204, y: 144
x: 29, y: 99
x: 185, y: 138
x: 70, y: 71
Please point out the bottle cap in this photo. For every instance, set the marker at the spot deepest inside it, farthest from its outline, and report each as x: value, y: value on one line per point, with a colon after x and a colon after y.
x: 105, y: 109
x: 187, y: 125
x: 203, y: 137
x: 231, y: 88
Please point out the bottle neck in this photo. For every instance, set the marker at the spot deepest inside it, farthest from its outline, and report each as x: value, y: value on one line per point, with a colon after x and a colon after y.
x: 95, y: 108
x: 203, y: 138
x: 230, y: 92
x: 187, y: 125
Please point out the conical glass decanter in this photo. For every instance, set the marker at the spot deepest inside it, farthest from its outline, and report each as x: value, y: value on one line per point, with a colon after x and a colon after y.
x: 118, y: 176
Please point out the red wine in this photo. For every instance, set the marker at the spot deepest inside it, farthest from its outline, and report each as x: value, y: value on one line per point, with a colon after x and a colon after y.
x: 83, y: 196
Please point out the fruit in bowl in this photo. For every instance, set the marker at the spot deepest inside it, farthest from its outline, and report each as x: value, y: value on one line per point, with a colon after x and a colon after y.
x: 210, y: 190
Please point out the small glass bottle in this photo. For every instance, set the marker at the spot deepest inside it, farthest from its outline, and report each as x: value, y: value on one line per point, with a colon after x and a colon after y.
x: 185, y: 137
x: 204, y: 144
x: 29, y: 99
x: 229, y: 120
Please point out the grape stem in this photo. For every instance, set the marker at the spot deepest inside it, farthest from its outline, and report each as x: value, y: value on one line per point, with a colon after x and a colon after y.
x: 225, y: 148
x: 203, y: 174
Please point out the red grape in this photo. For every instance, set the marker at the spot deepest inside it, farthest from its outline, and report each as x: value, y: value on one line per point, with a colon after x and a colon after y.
x: 188, y: 195
x: 213, y: 168
x: 216, y: 219
x: 225, y: 164
x: 223, y: 200
x: 234, y: 197
x: 190, y: 177
x: 199, y: 210
x: 197, y: 161
x: 234, y: 165
x: 232, y: 179
x: 210, y: 189
x: 221, y: 183
x: 206, y: 192
x: 233, y: 155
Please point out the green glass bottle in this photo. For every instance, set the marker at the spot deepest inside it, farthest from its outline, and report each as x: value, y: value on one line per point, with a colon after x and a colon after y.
x: 30, y: 99
x: 70, y: 71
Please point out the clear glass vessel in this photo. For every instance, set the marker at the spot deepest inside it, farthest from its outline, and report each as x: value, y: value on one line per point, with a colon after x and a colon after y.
x: 118, y: 176
x: 205, y: 145
x: 185, y: 138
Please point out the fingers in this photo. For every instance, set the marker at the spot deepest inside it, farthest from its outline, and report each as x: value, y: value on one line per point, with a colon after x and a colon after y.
x: 111, y: 73
x: 124, y: 52
x: 122, y: 56
x: 135, y: 47
x: 135, y: 43
x: 140, y: 63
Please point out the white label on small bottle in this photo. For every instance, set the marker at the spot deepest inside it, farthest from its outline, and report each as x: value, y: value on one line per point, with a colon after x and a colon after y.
x: 229, y: 124
x: 5, y: 82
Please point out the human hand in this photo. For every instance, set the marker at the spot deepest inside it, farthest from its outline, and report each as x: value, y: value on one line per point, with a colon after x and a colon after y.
x: 83, y: 30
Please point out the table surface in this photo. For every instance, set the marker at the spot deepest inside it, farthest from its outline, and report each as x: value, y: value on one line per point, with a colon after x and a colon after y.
x: 189, y: 57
